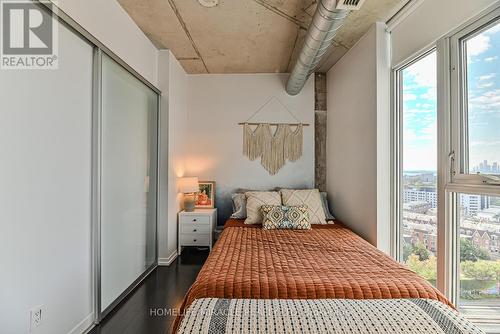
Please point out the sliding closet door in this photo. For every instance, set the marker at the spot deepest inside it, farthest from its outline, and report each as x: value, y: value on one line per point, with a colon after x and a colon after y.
x: 129, y: 120
x: 45, y: 190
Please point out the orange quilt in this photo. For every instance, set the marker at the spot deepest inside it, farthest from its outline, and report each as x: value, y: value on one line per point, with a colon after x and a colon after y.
x: 329, y: 261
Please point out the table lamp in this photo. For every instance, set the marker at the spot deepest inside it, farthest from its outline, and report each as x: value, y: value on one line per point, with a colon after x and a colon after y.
x: 189, y: 186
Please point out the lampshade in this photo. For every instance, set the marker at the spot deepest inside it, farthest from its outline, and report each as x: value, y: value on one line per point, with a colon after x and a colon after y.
x: 188, y: 185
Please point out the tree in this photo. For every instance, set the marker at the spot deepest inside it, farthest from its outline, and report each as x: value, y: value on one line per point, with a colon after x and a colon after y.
x: 407, y: 251
x: 480, y: 270
x: 426, y: 269
x: 419, y: 249
x: 469, y: 252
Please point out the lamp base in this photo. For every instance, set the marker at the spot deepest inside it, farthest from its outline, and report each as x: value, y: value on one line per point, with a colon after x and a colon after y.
x: 189, y: 203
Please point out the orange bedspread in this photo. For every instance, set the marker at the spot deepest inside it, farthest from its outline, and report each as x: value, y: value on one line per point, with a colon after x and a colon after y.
x: 329, y: 261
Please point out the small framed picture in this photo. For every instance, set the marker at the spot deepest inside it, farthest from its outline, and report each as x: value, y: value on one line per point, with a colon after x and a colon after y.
x: 205, y: 198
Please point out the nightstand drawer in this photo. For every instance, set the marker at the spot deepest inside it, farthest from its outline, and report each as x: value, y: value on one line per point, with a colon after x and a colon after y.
x: 196, y: 228
x: 195, y: 219
x: 195, y: 239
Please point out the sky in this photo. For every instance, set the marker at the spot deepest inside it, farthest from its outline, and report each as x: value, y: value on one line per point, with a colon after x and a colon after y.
x: 420, y: 104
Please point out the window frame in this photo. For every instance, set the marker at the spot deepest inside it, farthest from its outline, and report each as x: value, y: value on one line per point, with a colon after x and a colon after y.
x: 397, y: 148
x: 459, y: 108
x: 450, y: 184
x: 455, y: 160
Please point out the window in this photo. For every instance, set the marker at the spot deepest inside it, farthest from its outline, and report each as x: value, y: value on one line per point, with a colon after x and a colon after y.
x: 482, y: 92
x: 475, y: 186
x: 475, y: 92
x: 479, y: 221
x: 418, y: 161
x: 447, y: 167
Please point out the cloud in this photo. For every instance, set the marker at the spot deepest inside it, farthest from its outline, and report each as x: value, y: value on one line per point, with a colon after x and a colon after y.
x: 489, y: 100
x: 430, y: 95
x: 490, y: 59
x: 478, y: 45
x: 418, y: 111
x: 485, y: 143
x: 487, y: 77
x: 485, y: 85
x: 423, y: 72
x: 409, y: 97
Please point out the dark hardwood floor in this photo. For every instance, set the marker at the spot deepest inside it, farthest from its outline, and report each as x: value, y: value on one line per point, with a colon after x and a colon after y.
x: 144, y: 311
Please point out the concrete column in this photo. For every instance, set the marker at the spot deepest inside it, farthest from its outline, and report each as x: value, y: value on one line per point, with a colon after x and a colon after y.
x: 320, y: 130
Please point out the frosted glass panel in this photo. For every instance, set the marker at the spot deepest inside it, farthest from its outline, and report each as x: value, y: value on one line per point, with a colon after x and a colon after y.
x: 128, y: 180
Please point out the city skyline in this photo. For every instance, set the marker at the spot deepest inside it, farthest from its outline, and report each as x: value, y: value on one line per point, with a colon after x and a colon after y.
x: 484, y: 166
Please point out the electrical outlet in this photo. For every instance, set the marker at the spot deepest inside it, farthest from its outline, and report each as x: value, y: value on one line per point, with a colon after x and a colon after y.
x: 36, y: 317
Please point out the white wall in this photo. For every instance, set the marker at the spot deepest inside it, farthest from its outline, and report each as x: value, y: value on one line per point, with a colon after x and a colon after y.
x: 358, y: 116
x: 45, y: 179
x: 45, y: 237
x: 173, y: 82
x: 214, y: 139
x: 107, y: 21
x: 429, y: 22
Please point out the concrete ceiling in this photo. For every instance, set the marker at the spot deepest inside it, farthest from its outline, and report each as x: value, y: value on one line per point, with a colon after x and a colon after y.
x: 245, y: 36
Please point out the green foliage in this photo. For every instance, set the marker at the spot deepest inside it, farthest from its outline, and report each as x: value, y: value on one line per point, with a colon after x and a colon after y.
x: 426, y: 268
x: 469, y: 252
x: 481, y: 270
x: 478, y: 270
x: 419, y: 249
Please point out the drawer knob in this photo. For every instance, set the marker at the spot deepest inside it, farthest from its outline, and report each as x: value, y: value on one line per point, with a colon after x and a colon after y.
x: 194, y: 219
x: 194, y: 230
x: 194, y: 240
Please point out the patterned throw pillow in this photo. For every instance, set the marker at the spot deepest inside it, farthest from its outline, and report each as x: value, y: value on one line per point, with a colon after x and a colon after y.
x: 285, y: 217
x: 256, y: 199
x: 309, y: 197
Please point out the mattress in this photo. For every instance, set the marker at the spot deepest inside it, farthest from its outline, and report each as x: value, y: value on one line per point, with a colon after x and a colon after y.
x: 329, y: 261
x: 355, y: 316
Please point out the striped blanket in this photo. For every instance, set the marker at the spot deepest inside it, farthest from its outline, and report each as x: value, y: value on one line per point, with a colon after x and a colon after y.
x: 398, y: 316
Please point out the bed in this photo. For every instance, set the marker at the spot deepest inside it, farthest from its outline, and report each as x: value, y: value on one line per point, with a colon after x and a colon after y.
x: 327, y: 262
x: 346, y: 316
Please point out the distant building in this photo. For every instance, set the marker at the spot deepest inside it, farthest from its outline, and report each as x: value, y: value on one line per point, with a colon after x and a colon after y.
x: 482, y: 235
x: 417, y: 206
x: 486, y: 168
x: 413, y: 195
x: 425, y: 234
x: 471, y: 204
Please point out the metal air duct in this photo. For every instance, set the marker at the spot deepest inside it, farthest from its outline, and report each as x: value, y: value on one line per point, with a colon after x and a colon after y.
x: 328, y: 18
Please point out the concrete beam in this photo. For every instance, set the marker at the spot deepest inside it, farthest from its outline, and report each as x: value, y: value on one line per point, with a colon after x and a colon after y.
x: 320, y: 118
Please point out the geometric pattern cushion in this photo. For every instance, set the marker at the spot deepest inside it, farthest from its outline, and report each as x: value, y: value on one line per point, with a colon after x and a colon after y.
x: 309, y: 197
x: 256, y: 199
x: 285, y: 217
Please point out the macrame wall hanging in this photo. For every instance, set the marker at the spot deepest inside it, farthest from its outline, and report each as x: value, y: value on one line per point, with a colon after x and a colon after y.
x: 273, y: 148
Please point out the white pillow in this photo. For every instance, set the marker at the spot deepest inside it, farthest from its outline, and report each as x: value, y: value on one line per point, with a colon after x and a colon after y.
x: 309, y: 197
x: 256, y: 199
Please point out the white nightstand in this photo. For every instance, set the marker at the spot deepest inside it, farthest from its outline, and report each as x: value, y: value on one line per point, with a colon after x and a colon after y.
x: 197, y: 228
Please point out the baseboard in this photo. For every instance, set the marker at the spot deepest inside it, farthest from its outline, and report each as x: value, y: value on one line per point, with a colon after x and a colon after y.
x: 84, y: 326
x: 162, y: 261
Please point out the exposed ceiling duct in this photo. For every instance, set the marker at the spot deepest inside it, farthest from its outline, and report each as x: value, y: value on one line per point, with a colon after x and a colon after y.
x: 327, y: 20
